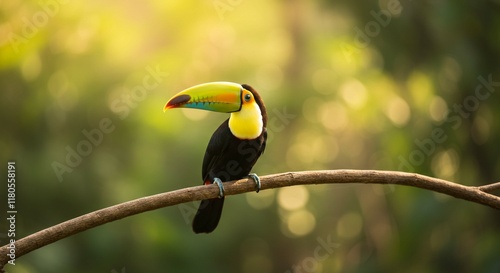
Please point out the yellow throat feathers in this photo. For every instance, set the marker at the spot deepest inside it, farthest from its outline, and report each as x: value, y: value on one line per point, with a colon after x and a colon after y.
x: 247, y: 123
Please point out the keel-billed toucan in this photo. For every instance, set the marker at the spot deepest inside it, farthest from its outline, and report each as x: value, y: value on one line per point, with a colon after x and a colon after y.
x: 234, y: 147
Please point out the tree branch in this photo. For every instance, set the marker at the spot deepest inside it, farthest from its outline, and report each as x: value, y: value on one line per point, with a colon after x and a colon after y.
x: 90, y: 220
x: 490, y: 187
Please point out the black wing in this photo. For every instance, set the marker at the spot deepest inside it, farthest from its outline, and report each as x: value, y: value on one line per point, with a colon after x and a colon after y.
x: 216, y: 148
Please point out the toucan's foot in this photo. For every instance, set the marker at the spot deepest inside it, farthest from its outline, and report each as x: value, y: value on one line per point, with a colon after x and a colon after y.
x: 221, y: 187
x: 256, y: 179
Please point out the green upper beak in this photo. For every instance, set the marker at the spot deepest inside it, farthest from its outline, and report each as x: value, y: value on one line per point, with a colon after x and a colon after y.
x: 214, y: 96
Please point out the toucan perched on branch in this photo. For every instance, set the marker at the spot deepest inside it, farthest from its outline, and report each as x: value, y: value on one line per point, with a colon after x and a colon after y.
x: 234, y: 147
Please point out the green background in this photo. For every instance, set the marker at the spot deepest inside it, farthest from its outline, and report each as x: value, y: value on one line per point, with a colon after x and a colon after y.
x: 382, y: 85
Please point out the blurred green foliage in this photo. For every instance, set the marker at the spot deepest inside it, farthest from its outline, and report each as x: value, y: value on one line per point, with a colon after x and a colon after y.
x: 395, y: 85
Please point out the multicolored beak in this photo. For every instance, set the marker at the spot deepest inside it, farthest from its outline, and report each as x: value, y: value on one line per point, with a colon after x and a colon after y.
x: 214, y: 96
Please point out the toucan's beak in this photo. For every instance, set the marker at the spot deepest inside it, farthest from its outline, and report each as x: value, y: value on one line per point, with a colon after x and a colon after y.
x: 213, y: 96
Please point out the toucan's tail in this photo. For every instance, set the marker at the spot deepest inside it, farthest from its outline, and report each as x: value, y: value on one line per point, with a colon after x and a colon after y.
x: 208, y: 215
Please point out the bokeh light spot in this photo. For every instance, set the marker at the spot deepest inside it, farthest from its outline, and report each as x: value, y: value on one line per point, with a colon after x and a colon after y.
x: 398, y: 111
x: 292, y: 198
x: 445, y: 164
x: 333, y: 116
x: 421, y: 89
x: 354, y: 93
x: 438, y: 109
x: 301, y: 222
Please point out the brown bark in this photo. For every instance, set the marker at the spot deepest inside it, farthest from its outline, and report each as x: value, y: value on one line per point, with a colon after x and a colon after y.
x: 481, y: 195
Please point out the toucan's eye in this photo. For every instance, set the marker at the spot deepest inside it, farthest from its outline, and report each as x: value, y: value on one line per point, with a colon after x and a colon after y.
x: 247, y: 97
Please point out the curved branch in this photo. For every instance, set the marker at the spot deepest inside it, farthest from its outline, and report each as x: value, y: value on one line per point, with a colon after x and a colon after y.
x: 90, y: 220
x: 490, y: 187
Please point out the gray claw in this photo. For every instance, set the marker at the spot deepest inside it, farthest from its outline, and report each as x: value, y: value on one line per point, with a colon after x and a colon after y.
x: 255, y: 178
x: 221, y: 187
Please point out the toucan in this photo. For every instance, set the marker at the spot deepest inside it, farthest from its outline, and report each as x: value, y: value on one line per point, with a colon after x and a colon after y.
x: 234, y: 147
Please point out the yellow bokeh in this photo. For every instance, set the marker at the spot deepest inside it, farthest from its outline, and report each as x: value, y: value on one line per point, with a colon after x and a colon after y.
x: 293, y: 198
x: 301, y: 222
